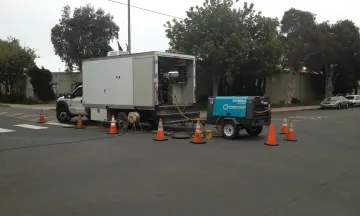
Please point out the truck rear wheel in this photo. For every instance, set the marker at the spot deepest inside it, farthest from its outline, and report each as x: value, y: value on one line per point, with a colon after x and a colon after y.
x: 230, y: 130
x: 255, y: 131
x: 63, y: 115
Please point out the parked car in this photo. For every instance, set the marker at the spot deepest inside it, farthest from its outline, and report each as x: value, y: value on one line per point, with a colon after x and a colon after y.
x: 354, y: 100
x: 337, y: 102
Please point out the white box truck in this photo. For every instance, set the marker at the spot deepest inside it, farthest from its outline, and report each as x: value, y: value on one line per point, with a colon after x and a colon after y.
x: 153, y: 84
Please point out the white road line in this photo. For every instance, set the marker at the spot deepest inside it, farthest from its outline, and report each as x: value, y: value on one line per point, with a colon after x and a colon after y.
x: 276, y: 119
x: 12, y: 115
x: 58, y: 124
x: 3, y: 113
x: 28, y: 116
x: 3, y: 130
x: 31, y: 126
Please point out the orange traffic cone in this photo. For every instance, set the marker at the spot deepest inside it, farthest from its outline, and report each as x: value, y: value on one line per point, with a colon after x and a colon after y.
x: 113, y: 129
x: 271, y: 140
x: 42, y: 118
x: 198, y: 135
x: 79, y: 124
x: 160, y: 135
x: 290, y: 135
x: 284, y: 127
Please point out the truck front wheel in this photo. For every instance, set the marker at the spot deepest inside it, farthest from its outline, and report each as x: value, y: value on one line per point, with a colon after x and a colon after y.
x: 63, y: 115
x: 255, y: 131
x: 230, y: 130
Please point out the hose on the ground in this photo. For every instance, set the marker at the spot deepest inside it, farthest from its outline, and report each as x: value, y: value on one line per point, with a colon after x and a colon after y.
x: 190, y: 119
x: 217, y: 120
x: 268, y: 110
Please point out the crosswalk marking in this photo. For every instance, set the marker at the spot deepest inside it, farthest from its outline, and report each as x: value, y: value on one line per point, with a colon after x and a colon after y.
x: 3, y: 130
x: 3, y: 113
x: 16, y: 114
x: 278, y: 119
x: 58, y: 124
x: 31, y: 126
x: 28, y: 116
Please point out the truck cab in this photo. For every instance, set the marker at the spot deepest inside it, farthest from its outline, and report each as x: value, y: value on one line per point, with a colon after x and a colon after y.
x: 70, y: 106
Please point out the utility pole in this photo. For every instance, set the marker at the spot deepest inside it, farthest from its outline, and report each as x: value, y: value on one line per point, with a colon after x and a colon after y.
x: 129, y: 29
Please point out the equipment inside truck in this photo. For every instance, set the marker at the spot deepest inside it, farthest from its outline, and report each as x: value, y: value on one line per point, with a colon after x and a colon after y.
x: 175, y: 86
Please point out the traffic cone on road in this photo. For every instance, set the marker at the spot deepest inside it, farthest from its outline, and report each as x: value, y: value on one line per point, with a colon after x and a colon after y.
x: 160, y: 135
x: 290, y: 135
x: 113, y: 129
x: 42, y: 118
x: 198, y: 135
x: 284, y: 127
x: 271, y: 139
x: 79, y: 124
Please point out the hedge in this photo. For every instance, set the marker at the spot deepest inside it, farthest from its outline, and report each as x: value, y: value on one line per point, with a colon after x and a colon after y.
x: 16, y: 98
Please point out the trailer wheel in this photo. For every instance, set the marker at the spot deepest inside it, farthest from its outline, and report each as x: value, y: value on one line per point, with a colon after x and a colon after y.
x: 255, y: 131
x: 230, y: 130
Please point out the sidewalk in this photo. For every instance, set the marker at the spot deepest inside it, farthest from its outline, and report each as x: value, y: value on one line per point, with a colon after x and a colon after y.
x: 25, y: 106
x: 280, y: 110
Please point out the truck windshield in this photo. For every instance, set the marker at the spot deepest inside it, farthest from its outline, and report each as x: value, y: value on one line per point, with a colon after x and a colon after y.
x: 78, y: 92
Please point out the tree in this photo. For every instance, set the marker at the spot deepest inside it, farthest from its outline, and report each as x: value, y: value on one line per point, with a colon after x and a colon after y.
x: 236, y: 47
x: 215, y: 34
x: 86, y: 34
x: 40, y: 79
x: 15, y: 60
x: 345, y: 84
x: 297, y: 27
x: 264, y: 56
x: 337, y: 49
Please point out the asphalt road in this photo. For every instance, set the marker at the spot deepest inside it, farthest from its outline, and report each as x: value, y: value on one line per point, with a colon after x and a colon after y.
x: 61, y: 171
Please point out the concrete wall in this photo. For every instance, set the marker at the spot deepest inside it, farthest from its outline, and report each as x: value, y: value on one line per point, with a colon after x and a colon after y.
x: 307, y: 88
x: 62, y: 83
x: 65, y: 82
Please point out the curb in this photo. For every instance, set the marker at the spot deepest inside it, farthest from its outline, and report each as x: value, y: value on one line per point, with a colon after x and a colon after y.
x: 294, y: 110
x: 3, y: 105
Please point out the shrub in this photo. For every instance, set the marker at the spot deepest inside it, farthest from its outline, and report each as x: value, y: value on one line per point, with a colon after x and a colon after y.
x: 12, y: 98
x: 17, y: 98
x: 295, y: 101
x: 40, y: 79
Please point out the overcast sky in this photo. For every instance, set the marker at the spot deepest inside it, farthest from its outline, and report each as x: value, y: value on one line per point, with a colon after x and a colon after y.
x: 31, y: 20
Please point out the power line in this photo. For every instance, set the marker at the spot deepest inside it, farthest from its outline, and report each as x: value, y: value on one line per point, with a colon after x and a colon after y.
x: 144, y: 9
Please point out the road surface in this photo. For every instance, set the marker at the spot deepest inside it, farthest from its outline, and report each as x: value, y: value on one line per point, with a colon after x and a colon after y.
x: 60, y: 171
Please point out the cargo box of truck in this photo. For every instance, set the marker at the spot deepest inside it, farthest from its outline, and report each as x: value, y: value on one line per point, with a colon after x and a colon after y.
x: 154, y: 84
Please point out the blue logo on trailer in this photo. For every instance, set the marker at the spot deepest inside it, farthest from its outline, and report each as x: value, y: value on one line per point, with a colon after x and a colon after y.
x: 230, y: 106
